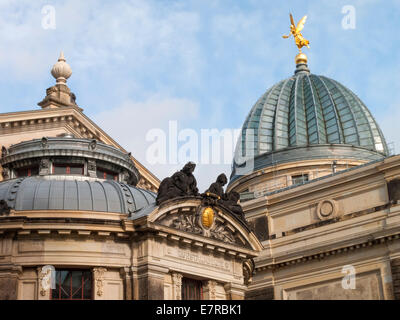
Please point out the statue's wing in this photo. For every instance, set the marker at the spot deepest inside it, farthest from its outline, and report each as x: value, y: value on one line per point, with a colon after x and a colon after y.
x: 292, y: 20
x: 301, y: 23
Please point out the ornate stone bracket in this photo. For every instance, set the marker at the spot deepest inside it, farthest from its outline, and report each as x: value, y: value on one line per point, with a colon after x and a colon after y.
x: 98, y: 276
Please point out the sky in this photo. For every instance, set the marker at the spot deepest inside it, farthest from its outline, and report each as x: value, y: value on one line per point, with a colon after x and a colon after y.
x: 138, y: 65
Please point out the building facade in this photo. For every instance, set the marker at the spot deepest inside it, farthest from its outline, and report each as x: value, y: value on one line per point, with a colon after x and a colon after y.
x: 80, y: 217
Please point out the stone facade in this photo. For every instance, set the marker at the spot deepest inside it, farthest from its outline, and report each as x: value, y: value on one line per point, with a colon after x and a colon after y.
x: 130, y: 259
x: 319, y: 230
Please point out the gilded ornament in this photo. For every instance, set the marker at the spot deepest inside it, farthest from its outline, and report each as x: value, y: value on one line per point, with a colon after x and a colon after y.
x: 207, y: 217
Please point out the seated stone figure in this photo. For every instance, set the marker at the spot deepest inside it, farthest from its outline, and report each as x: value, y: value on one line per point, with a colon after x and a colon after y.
x: 218, y: 186
x: 181, y: 183
x: 231, y: 203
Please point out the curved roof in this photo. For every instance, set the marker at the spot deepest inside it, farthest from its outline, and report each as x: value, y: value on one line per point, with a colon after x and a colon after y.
x: 74, y: 193
x: 69, y: 146
x: 306, y: 110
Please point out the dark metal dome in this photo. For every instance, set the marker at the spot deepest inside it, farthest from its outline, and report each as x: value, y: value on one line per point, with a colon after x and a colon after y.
x: 308, y: 110
x: 73, y: 193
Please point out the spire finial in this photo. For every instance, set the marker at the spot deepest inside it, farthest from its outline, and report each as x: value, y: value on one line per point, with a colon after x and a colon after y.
x: 61, y: 71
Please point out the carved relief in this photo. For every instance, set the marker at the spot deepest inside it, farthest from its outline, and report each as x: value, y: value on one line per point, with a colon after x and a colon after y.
x: 327, y: 209
x: 221, y: 232
x: 44, y: 167
x: 186, y: 223
x: 44, y: 143
x: 98, y: 275
x: 93, y: 144
x: 205, y: 223
x: 91, y: 166
x: 177, y: 286
x: 248, y: 270
x: 211, y: 284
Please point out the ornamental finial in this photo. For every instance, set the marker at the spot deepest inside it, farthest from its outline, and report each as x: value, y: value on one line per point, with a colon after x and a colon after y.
x: 298, y: 38
x: 61, y: 70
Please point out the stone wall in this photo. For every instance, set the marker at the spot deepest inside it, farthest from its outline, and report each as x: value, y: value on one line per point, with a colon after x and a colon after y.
x: 260, y: 294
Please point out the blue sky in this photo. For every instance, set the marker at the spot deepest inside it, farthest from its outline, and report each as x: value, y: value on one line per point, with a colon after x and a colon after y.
x: 138, y: 64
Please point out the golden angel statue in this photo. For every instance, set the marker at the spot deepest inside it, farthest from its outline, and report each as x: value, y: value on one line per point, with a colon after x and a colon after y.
x: 295, y: 31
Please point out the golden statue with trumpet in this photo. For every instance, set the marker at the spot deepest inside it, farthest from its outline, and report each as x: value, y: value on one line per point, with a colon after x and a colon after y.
x: 298, y: 38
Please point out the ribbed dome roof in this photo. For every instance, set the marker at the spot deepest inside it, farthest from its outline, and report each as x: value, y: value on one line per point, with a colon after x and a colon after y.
x: 74, y: 193
x: 308, y: 110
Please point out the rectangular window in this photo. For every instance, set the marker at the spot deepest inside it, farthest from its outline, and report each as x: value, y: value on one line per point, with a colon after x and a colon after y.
x: 27, y: 172
x: 299, y: 179
x: 67, y: 169
x: 192, y: 289
x: 72, y: 285
x: 104, y: 174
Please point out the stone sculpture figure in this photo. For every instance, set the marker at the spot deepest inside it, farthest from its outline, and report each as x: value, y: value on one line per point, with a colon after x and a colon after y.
x: 218, y: 186
x: 181, y: 183
x: 231, y: 203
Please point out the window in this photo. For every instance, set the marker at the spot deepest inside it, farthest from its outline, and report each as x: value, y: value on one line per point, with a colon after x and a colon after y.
x: 68, y: 169
x: 27, y: 172
x: 104, y: 174
x: 299, y: 179
x: 192, y: 289
x: 72, y: 285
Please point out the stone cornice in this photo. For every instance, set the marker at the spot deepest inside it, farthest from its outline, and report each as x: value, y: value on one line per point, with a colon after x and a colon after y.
x: 367, y: 230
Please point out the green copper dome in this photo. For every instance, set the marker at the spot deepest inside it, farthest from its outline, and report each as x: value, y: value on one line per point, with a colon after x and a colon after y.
x: 307, y: 110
